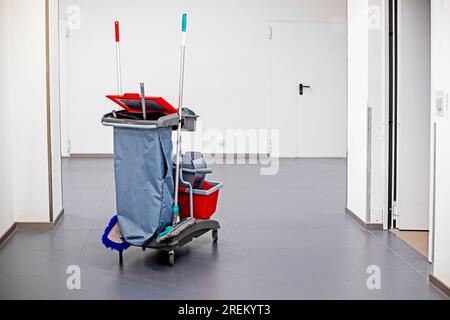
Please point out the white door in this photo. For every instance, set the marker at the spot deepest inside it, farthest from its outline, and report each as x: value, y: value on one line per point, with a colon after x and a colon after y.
x: 312, y: 120
x: 413, y: 124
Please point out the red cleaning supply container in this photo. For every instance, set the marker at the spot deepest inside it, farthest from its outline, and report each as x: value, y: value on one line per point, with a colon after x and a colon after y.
x: 204, y: 200
x: 132, y: 102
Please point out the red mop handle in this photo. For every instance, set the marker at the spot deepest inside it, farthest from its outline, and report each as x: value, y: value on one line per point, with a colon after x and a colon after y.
x: 119, y: 75
x: 116, y: 24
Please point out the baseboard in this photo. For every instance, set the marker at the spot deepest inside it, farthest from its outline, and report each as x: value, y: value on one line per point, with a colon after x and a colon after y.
x: 217, y: 155
x: 34, y: 225
x: 91, y: 155
x: 40, y: 225
x: 58, y: 218
x: 211, y: 155
x: 30, y: 226
x: 367, y: 226
x: 7, y: 234
x: 440, y: 285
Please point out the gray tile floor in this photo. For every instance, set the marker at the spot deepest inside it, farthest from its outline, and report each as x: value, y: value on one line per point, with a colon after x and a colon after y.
x: 283, y: 237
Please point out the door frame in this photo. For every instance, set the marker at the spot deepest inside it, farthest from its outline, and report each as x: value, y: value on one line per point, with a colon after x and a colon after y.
x: 391, y: 214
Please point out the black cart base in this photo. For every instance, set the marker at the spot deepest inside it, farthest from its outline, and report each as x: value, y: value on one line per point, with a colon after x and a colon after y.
x: 197, y: 230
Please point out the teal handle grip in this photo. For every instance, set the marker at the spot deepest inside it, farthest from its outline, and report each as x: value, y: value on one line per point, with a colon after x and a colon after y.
x: 184, y: 23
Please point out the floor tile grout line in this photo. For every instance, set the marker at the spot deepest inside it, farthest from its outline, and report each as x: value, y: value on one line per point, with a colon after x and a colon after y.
x: 320, y: 190
x: 398, y: 254
x: 317, y: 188
x: 103, y: 201
x: 371, y: 233
x: 131, y: 277
x: 391, y: 249
x: 421, y: 273
x: 248, y: 267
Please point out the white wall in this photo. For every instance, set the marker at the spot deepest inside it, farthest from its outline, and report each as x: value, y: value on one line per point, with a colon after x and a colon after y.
x: 24, y: 153
x: 378, y: 100
x: 413, y: 115
x: 55, y: 114
x: 227, y: 76
x: 367, y: 86
x: 441, y: 81
x: 6, y: 199
x: 29, y: 151
x: 357, y: 107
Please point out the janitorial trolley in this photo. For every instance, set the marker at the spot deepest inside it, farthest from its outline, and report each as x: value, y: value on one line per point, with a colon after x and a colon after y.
x: 163, y: 201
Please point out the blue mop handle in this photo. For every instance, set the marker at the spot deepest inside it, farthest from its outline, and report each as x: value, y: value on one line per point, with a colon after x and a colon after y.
x: 175, y: 208
x: 184, y: 23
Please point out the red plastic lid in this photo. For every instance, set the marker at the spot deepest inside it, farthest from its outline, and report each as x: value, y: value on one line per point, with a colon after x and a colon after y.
x: 132, y: 103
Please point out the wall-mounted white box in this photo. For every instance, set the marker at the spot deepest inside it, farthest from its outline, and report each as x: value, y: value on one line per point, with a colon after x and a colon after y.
x: 441, y: 103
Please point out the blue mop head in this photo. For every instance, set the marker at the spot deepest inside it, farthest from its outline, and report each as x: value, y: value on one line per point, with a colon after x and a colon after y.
x: 112, y: 238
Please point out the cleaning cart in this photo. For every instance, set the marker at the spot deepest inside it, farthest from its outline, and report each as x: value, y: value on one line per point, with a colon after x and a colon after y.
x: 163, y: 203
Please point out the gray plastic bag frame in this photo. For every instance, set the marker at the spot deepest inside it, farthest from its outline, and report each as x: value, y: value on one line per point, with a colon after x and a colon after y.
x: 144, y: 182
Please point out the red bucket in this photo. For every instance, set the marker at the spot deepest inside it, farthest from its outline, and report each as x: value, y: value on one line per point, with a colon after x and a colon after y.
x: 204, y: 200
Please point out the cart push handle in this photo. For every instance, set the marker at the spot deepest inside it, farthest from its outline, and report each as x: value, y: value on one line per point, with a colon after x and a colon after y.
x: 117, y: 30
x: 194, y: 171
x: 119, y: 65
x: 175, y: 208
x: 184, y: 23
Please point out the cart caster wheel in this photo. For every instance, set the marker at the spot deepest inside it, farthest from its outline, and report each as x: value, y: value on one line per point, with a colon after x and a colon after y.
x: 171, y: 255
x: 215, y: 235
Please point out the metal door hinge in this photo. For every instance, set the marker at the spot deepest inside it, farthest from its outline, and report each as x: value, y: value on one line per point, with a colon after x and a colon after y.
x: 69, y: 146
x: 269, y: 145
x: 395, y: 211
x: 270, y: 33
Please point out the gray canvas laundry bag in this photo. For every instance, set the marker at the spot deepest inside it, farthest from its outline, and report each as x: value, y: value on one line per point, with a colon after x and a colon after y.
x: 144, y: 182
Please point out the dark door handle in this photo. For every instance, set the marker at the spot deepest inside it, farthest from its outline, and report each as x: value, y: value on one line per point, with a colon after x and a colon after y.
x: 302, y: 87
